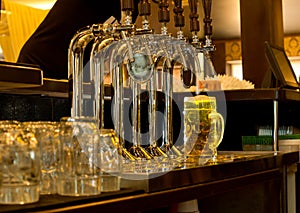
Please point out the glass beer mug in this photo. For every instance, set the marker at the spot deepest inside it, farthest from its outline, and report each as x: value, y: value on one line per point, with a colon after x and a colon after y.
x: 203, y: 129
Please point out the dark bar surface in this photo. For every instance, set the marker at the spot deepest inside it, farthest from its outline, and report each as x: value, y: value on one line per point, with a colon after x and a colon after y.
x: 178, y: 185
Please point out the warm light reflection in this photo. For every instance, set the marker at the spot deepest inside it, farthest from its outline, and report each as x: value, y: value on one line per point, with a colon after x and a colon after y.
x: 38, y: 4
x: 295, y: 61
x: 235, y: 68
x: 22, y: 20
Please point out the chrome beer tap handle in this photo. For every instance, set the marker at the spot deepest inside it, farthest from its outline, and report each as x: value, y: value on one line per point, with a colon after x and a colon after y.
x: 164, y: 15
x: 208, y: 46
x: 179, y: 18
x: 145, y: 12
x: 194, y: 23
x: 127, y: 7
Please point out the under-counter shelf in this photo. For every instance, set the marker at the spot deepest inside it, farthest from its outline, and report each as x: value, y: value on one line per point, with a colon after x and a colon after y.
x: 15, y: 75
x: 50, y: 87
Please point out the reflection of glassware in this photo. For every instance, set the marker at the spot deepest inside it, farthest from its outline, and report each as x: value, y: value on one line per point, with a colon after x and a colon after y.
x: 203, y: 125
x: 9, y: 123
x: 79, y: 171
x: 46, y: 133
x: 19, y: 165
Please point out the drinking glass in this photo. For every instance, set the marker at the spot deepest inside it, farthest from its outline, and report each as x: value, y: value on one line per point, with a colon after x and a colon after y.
x: 46, y: 132
x: 19, y: 166
x: 203, y: 128
x: 111, y: 156
x: 79, y: 171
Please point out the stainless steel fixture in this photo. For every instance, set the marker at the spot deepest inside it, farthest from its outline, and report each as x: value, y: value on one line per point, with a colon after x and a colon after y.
x: 134, y: 59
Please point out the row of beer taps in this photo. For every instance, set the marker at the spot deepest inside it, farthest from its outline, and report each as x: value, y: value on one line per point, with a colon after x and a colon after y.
x: 121, y: 49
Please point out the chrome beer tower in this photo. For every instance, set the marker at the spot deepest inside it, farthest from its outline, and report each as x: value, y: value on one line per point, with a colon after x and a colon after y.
x: 132, y: 58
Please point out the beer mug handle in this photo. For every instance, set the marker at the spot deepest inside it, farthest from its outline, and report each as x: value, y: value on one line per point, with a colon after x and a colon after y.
x: 216, y: 132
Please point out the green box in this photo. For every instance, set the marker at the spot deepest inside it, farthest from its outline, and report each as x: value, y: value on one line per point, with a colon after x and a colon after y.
x: 257, y: 140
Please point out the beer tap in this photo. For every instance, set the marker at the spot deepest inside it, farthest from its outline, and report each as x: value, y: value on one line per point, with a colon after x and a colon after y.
x: 127, y: 7
x: 153, y: 149
x: 208, y: 47
x: 204, y: 50
x: 135, y: 61
x: 164, y: 15
x: 81, y: 80
x: 167, y: 82
x: 185, y: 74
x: 75, y: 69
x: 117, y: 73
x: 194, y: 22
x: 103, y: 38
x: 145, y: 12
x: 178, y: 18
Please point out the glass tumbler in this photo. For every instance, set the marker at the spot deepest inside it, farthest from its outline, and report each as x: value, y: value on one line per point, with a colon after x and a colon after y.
x: 79, y: 171
x: 110, y: 160
x: 46, y: 132
x: 19, y: 166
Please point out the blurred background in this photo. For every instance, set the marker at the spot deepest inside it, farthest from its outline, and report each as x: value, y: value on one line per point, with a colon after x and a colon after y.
x: 19, y: 19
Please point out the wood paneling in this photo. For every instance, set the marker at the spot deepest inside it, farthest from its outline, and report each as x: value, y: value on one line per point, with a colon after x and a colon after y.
x: 260, y: 21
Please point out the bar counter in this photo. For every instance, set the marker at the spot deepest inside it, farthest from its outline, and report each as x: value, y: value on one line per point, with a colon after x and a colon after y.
x: 256, y: 183
x: 243, y: 174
